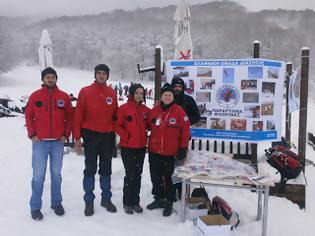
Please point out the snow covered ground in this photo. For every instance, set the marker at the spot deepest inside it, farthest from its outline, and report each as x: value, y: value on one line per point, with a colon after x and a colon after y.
x: 284, y: 218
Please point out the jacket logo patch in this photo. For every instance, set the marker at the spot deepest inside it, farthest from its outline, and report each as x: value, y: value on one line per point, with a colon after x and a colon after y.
x: 61, y: 103
x: 129, y: 118
x: 186, y: 118
x: 172, y: 121
x: 39, y: 103
x: 109, y: 101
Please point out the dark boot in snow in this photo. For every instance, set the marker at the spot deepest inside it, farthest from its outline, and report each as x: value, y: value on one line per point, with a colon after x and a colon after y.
x: 109, y: 206
x: 156, y: 204
x: 37, y: 215
x: 168, y: 208
x: 138, y: 208
x: 89, y: 209
x: 128, y: 210
x: 59, y: 210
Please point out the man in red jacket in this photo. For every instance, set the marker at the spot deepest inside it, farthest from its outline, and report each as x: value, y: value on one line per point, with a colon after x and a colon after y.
x: 95, y: 110
x: 49, y: 123
x: 170, y: 133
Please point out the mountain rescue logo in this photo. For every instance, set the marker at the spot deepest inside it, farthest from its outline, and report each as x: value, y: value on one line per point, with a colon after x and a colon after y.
x: 109, y: 101
x: 61, y: 103
x: 228, y: 96
x: 172, y: 121
x: 185, y: 55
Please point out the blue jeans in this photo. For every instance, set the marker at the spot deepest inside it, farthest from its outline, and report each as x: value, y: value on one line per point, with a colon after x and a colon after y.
x: 41, y: 151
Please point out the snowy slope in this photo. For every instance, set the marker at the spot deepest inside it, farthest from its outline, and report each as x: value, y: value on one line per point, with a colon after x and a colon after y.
x: 285, y: 218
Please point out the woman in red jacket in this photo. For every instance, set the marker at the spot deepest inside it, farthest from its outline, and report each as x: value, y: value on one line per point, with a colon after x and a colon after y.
x: 131, y: 126
x: 170, y: 133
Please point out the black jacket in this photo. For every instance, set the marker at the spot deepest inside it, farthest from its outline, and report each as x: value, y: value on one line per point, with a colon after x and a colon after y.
x: 190, y: 107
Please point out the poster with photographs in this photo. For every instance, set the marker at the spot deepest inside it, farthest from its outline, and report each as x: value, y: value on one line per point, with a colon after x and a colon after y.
x: 238, y: 99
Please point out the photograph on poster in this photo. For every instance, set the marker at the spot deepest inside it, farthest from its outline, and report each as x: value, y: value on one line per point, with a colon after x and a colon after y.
x: 258, y: 125
x: 250, y: 97
x: 273, y: 73
x: 206, y: 84
x: 249, y: 84
x: 238, y: 124
x: 203, y: 97
x: 268, y: 90
x: 267, y: 109
x: 217, y: 123
x: 180, y: 72
x: 228, y: 75
x: 189, y: 85
x: 271, y: 125
x: 202, y: 107
x: 204, y: 72
x: 252, y: 111
x: 202, y: 123
x: 255, y: 72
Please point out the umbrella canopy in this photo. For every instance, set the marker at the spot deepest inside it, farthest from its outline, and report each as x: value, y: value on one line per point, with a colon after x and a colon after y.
x: 182, y: 36
x: 45, y: 51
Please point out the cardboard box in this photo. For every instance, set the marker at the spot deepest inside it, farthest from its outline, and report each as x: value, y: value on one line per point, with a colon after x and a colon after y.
x: 214, y: 225
x: 195, y: 207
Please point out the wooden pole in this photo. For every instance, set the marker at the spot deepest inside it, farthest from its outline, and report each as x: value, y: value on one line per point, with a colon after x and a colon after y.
x: 158, y: 73
x: 303, y: 103
x: 254, y: 146
x: 287, y: 113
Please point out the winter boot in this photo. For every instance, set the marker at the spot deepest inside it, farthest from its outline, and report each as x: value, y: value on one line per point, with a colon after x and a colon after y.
x: 59, y: 210
x: 109, y: 206
x: 89, y: 209
x: 37, y: 215
x: 168, y: 208
x: 128, y: 210
x: 156, y: 204
x: 138, y: 208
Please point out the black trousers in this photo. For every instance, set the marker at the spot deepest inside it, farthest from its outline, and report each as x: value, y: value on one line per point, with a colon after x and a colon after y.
x: 98, y: 146
x: 162, y: 169
x: 133, y: 159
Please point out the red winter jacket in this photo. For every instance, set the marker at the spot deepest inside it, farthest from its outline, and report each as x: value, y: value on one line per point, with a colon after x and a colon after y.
x: 131, y: 124
x: 170, y: 130
x: 96, y: 107
x: 49, y: 114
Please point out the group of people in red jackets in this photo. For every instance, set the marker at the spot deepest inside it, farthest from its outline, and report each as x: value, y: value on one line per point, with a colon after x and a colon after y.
x: 97, y: 117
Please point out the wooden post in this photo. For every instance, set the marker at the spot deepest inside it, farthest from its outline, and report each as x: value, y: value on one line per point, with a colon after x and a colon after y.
x: 158, y: 73
x: 303, y: 103
x: 254, y: 146
x: 287, y: 113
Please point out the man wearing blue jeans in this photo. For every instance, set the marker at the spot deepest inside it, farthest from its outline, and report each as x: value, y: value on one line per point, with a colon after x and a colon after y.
x: 48, y: 117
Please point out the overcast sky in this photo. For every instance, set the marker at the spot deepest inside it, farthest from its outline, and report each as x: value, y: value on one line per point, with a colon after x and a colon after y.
x: 78, y: 7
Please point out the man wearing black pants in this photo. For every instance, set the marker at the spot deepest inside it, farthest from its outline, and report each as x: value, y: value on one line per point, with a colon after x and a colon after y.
x: 94, y: 115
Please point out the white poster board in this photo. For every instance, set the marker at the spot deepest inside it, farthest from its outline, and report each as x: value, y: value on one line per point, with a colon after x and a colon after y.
x: 238, y: 99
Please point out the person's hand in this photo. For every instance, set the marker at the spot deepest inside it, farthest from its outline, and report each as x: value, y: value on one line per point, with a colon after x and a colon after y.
x: 181, y: 154
x: 35, y: 139
x: 63, y: 139
x: 157, y: 103
x: 78, y: 147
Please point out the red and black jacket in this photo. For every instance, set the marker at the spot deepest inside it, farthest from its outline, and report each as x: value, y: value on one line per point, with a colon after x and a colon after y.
x: 170, y: 130
x: 131, y: 124
x: 95, y: 109
x: 49, y: 114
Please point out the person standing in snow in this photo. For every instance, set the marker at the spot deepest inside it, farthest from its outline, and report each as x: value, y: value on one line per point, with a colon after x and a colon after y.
x: 95, y: 110
x: 131, y: 126
x: 170, y: 133
x: 190, y: 107
x: 49, y: 123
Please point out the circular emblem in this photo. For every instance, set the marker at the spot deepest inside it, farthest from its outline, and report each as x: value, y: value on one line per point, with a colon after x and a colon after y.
x: 61, y: 103
x: 172, y: 121
x: 228, y: 96
x: 109, y: 101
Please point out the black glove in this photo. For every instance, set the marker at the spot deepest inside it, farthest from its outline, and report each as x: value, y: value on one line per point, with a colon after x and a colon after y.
x: 181, y: 154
